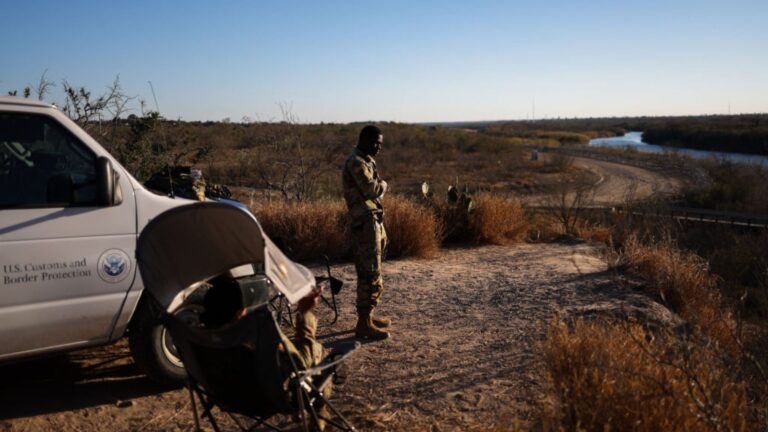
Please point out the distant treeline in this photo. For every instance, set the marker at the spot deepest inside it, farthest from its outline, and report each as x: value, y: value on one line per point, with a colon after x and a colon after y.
x: 733, y: 133
x: 548, y: 137
x: 742, y: 134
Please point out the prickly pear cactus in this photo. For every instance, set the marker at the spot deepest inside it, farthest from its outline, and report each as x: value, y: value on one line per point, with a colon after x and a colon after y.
x: 453, y: 194
x: 465, y: 201
x: 461, y: 199
x: 455, y: 197
x: 425, y: 190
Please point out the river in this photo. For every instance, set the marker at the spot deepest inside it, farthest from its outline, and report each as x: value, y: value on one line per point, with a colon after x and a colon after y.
x: 634, y: 140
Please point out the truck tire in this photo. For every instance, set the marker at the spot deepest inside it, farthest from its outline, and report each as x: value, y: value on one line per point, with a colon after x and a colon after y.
x: 152, y: 348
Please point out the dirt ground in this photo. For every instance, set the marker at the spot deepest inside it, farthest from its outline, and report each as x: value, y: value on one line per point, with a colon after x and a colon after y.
x: 465, y: 350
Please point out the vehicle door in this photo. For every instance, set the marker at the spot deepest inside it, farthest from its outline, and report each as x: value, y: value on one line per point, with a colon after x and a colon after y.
x: 65, y: 261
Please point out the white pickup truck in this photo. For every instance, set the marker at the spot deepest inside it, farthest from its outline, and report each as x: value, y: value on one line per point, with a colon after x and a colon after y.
x: 70, y: 216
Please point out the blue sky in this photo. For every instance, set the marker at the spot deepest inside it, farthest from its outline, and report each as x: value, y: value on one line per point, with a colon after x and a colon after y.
x: 409, y: 61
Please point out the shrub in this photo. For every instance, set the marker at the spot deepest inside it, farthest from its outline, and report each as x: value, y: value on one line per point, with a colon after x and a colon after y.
x: 309, y: 230
x: 683, y: 281
x: 609, y: 376
x: 594, y: 232
x: 496, y: 220
x: 731, y: 186
x: 493, y: 219
x: 306, y: 230
x: 557, y: 163
x: 412, y: 229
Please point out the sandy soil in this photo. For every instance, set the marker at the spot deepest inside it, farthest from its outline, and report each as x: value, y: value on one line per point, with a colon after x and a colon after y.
x: 464, y: 351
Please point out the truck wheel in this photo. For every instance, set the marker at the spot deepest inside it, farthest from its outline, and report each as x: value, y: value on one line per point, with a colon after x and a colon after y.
x: 152, y: 348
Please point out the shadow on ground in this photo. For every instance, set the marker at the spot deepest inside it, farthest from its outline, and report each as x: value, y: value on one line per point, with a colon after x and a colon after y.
x: 83, y: 379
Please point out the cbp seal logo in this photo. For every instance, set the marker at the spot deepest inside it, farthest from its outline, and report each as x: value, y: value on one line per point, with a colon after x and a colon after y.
x: 114, y: 265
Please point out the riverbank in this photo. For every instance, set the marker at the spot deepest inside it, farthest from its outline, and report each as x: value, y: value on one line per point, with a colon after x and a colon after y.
x: 637, y: 141
x: 743, y: 134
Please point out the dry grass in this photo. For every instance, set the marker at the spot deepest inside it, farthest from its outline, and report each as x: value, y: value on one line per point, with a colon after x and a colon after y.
x: 543, y: 227
x: 497, y: 220
x: 306, y: 230
x: 683, y: 281
x: 620, y: 377
x: 412, y: 229
x: 557, y: 163
x: 493, y: 220
x: 309, y: 230
x: 594, y: 232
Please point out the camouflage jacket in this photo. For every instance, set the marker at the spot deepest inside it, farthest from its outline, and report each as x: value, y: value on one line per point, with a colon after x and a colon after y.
x: 305, y: 345
x: 363, y: 188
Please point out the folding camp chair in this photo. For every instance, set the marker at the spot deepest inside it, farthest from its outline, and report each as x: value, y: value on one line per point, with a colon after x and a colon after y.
x: 282, y: 307
x: 241, y: 367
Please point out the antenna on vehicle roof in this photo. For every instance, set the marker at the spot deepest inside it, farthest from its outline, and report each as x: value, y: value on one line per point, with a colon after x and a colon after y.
x: 171, y: 193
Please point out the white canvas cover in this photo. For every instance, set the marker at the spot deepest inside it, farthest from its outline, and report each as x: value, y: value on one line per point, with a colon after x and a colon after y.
x: 196, y: 242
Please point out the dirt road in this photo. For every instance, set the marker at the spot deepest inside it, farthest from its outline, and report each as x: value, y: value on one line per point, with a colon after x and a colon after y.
x: 616, y: 183
x: 464, y: 351
x: 617, y: 180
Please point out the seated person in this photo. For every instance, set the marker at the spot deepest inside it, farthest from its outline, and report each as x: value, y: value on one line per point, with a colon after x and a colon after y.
x: 223, y: 304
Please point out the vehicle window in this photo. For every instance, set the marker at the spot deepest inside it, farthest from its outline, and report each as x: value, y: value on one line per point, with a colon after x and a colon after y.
x: 43, y: 165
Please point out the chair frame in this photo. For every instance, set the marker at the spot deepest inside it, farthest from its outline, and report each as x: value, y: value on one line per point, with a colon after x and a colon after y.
x: 169, y: 256
x: 283, y: 308
x: 308, y: 384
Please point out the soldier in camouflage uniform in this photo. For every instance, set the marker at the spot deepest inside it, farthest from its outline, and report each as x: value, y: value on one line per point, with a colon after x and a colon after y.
x: 305, y: 345
x: 223, y: 304
x: 363, y: 190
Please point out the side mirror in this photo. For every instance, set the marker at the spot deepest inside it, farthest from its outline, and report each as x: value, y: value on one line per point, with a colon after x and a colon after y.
x: 108, y: 192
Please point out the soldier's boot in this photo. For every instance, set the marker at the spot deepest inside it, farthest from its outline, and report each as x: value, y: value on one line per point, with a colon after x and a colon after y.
x: 366, y: 330
x: 323, y: 413
x: 380, y: 322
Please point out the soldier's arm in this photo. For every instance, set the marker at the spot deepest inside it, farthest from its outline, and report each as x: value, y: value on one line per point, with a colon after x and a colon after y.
x: 305, y: 342
x: 370, y: 186
x: 306, y: 325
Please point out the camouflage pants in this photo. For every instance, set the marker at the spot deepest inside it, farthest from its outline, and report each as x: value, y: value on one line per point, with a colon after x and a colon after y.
x: 369, y: 243
x: 307, y: 352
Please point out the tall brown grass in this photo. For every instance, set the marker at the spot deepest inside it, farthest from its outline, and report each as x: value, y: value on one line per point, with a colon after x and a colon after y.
x: 497, y: 220
x: 306, y: 230
x: 309, y: 230
x: 493, y: 219
x: 412, y: 229
x: 595, y: 232
x: 620, y: 377
x: 683, y: 281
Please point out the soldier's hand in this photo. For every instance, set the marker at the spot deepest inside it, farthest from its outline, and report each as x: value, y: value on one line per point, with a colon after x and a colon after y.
x: 383, y: 187
x: 310, y: 300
